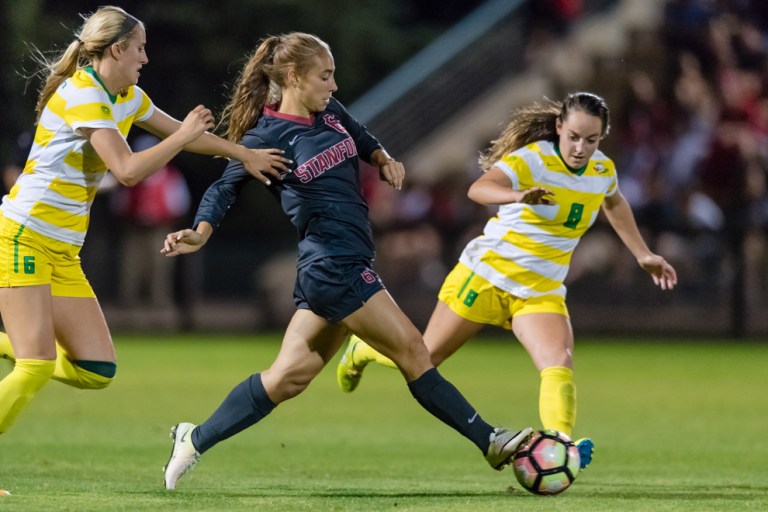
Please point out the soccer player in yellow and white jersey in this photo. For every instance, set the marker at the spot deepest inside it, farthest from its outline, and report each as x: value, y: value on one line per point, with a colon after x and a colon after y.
x: 86, y: 107
x: 550, y: 180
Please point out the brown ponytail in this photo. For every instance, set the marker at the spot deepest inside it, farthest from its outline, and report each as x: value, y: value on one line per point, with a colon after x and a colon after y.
x: 251, y: 91
x: 263, y: 76
x: 539, y: 122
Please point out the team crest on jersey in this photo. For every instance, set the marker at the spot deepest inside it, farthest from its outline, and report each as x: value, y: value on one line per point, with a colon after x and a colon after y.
x: 334, y: 123
x: 599, y: 168
x: 105, y: 111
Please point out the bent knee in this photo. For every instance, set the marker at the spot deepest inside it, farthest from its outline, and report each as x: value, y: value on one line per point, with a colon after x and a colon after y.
x: 411, y: 355
x: 413, y: 348
x: 283, y: 385
x: 95, y: 374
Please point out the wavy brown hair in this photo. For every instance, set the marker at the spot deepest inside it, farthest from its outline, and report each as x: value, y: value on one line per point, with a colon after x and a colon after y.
x: 263, y: 76
x: 539, y: 122
x: 100, y: 30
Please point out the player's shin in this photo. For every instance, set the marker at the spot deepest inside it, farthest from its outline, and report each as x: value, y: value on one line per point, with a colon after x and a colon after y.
x: 557, y: 399
x: 444, y: 401
x: 246, y: 405
x: 19, y: 387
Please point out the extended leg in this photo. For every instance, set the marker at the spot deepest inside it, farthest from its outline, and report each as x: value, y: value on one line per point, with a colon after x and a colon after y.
x: 390, y: 332
x: 548, y: 338
x: 309, y: 343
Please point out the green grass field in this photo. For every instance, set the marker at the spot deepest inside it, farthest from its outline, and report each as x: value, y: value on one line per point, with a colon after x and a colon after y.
x: 678, y: 426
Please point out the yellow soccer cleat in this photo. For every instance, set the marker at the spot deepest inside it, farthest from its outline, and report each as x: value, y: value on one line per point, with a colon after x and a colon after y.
x: 349, y: 372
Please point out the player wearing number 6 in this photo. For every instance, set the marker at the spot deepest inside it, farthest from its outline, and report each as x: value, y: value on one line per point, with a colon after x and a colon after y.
x: 87, y: 105
x: 550, y: 180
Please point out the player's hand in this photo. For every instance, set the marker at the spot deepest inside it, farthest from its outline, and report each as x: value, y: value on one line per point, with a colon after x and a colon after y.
x: 185, y: 241
x: 197, y: 122
x: 663, y: 274
x: 263, y: 163
x: 536, y: 195
x: 393, y: 173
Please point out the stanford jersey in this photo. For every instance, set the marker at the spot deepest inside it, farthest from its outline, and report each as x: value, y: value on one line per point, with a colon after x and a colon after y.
x: 322, y: 195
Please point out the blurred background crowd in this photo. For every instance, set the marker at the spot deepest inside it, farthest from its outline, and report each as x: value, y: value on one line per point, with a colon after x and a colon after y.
x: 686, y: 80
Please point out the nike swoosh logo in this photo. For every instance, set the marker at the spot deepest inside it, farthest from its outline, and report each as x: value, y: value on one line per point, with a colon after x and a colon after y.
x: 184, y: 437
x: 293, y: 140
x: 472, y: 419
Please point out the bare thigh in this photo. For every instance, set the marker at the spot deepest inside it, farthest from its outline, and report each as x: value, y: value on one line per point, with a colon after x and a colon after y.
x: 28, y: 318
x: 548, y: 338
x: 383, y: 325
x: 81, y: 329
x: 308, y: 344
x: 447, y: 332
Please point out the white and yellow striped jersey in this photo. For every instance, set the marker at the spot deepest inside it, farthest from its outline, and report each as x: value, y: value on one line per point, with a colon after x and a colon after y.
x: 526, y: 249
x: 54, y: 193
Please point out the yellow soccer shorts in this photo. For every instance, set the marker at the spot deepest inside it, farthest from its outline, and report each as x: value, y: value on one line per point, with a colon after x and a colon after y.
x: 28, y: 258
x: 474, y: 298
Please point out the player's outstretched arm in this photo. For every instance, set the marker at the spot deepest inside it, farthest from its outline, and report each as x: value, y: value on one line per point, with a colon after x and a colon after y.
x: 619, y: 214
x: 130, y: 168
x: 261, y: 163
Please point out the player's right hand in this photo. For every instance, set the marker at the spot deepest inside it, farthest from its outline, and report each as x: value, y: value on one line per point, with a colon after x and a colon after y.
x: 197, y: 122
x: 536, y: 195
x: 185, y: 241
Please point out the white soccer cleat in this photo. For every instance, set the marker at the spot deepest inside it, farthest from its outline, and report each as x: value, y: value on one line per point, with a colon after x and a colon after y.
x: 503, y: 446
x: 184, y: 456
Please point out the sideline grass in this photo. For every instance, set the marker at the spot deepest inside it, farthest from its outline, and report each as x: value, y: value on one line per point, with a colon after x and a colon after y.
x: 678, y: 427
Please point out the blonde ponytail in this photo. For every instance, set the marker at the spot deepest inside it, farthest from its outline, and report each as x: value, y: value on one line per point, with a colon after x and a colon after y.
x: 107, y: 26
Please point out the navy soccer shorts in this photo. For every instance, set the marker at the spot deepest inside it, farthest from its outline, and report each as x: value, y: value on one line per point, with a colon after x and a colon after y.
x: 335, y: 288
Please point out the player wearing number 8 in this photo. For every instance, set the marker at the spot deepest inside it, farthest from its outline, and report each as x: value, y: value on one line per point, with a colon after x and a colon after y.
x: 549, y: 179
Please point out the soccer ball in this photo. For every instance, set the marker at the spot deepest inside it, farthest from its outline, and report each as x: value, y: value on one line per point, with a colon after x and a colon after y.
x: 547, y: 463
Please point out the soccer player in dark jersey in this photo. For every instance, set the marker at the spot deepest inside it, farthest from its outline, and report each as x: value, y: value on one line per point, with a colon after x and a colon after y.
x: 336, y: 291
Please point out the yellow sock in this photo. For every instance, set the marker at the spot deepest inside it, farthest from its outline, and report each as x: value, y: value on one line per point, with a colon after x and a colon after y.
x: 67, y: 371
x: 20, y: 386
x: 557, y: 399
x: 364, y: 353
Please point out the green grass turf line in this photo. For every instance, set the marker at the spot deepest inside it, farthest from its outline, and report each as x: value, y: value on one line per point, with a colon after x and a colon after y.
x: 679, y: 426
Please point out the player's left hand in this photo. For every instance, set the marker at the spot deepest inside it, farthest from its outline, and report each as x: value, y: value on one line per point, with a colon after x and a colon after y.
x: 263, y: 163
x: 663, y: 273
x: 393, y: 173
